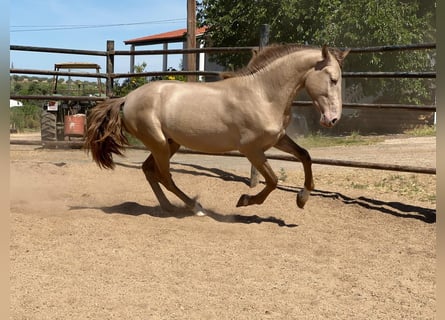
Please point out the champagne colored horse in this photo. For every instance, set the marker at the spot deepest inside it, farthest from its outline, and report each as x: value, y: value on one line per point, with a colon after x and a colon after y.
x: 247, y: 111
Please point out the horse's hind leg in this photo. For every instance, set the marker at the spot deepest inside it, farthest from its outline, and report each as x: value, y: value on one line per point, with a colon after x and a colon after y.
x: 286, y: 144
x: 163, y: 175
x: 153, y: 177
x: 149, y: 169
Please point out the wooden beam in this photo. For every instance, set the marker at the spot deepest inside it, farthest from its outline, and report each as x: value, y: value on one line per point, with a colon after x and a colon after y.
x: 191, y: 37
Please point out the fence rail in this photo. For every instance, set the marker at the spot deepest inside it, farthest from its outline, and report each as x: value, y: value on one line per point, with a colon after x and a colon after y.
x: 66, y: 98
x: 429, y: 75
x: 109, y: 75
x: 420, y: 46
x: 59, y: 73
x: 335, y: 162
x: 426, y: 108
x: 346, y: 105
x: 319, y: 161
x: 57, y: 50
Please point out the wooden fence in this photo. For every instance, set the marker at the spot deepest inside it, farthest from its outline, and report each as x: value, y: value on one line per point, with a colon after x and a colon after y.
x: 109, y: 76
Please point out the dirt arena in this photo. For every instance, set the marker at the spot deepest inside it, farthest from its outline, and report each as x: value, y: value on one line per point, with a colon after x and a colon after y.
x: 93, y: 244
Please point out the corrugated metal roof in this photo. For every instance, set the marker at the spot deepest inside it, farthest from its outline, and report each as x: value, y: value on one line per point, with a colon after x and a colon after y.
x: 166, y: 37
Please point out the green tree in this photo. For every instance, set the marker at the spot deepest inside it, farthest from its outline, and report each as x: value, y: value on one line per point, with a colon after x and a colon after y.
x: 131, y: 83
x: 25, y: 117
x: 135, y: 82
x: 353, y: 23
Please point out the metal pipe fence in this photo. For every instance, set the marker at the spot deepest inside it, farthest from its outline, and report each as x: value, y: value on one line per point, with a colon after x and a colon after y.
x: 110, y: 75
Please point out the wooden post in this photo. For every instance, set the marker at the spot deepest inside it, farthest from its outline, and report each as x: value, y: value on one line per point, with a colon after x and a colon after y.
x: 132, y: 49
x: 264, y: 41
x: 110, y: 68
x: 191, y: 37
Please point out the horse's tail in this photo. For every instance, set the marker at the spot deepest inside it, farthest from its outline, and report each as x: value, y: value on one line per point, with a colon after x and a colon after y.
x: 105, y: 132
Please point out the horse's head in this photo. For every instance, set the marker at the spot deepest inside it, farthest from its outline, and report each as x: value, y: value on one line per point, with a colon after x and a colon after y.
x: 323, y: 83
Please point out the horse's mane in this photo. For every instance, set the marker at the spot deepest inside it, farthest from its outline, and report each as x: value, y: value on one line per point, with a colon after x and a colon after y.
x: 262, y: 58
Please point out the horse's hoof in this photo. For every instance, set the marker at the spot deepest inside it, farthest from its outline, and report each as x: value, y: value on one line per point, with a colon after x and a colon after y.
x: 198, y: 210
x: 200, y: 213
x: 300, y: 202
x: 243, y: 201
x: 302, y: 197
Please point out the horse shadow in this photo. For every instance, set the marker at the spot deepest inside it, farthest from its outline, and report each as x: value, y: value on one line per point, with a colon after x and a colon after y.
x: 135, y: 209
x: 396, y: 209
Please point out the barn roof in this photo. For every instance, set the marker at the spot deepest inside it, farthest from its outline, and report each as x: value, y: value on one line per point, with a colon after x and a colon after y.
x: 166, y: 37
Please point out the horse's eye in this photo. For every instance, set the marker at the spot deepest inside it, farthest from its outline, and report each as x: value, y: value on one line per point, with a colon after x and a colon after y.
x: 334, y: 81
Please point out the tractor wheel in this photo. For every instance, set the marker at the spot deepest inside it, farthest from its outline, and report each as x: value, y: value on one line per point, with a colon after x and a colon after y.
x: 48, y: 126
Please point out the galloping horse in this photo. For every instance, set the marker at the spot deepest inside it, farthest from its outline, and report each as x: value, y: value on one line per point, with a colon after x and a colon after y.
x: 248, y: 111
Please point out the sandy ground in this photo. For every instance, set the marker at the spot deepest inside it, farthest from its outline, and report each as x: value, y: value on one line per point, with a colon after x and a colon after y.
x: 93, y: 244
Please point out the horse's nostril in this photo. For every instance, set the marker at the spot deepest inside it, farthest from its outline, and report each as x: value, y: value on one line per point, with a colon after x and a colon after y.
x: 333, y: 121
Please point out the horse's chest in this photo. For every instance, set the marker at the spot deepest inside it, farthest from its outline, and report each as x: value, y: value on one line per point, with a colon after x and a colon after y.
x: 286, y: 119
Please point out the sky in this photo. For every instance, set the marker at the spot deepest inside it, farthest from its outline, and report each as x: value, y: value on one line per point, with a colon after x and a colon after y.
x: 87, y: 25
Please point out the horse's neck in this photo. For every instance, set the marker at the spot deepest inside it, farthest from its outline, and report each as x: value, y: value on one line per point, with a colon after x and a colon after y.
x: 283, y: 78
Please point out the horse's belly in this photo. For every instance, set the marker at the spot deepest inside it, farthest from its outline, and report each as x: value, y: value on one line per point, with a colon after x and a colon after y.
x: 205, y: 140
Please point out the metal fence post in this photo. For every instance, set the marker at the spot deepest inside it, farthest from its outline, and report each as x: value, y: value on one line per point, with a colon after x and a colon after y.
x: 110, y: 67
x: 264, y: 41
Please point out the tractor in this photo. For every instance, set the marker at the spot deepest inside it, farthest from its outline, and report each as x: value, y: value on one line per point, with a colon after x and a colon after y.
x: 63, y: 119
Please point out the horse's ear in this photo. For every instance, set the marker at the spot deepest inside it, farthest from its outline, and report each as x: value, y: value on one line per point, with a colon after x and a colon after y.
x: 325, y: 52
x: 326, y: 58
x: 340, y: 55
x: 345, y: 53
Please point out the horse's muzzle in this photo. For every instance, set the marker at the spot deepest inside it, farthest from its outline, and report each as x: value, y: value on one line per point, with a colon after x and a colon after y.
x: 328, y: 122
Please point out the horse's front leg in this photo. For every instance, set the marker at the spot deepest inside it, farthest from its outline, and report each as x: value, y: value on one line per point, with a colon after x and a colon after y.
x: 259, y: 161
x: 286, y: 144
